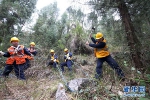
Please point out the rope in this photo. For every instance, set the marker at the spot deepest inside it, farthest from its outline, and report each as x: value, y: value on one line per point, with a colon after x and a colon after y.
x: 63, y: 78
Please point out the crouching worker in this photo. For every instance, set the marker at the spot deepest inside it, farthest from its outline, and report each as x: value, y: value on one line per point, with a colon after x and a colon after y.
x: 68, y: 61
x: 28, y: 58
x: 53, y: 59
x: 102, y: 54
x: 16, y: 59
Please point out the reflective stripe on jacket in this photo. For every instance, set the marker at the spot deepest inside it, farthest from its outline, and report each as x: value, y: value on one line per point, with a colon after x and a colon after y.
x: 67, y: 56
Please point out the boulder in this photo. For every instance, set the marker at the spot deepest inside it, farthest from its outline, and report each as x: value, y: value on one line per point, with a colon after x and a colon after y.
x: 76, y: 83
x: 60, y: 93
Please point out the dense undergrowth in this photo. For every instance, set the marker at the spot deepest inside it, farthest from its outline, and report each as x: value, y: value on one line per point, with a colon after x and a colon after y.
x: 42, y: 81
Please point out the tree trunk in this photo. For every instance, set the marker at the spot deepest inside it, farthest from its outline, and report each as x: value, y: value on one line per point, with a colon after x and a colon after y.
x: 132, y: 39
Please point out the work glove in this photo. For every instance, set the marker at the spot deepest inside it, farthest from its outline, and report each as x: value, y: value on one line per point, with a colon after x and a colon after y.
x: 32, y: 55
x: 68, y: 58
x: 54, y: 60
x: 20, y: 49
x: 1, y: 53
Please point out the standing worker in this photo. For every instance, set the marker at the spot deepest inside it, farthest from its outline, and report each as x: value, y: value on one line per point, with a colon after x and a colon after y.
x: 28, y: 58
x: 102, y: 54
x: 53, y: 58
x: 68, y: 62
x: 16, y: 58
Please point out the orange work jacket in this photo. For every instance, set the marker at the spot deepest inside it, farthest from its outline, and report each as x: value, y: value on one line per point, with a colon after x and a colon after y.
x: 16, y: 54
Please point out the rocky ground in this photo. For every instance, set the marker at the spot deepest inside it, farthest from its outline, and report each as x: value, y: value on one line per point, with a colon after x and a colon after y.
x: 42, y: 83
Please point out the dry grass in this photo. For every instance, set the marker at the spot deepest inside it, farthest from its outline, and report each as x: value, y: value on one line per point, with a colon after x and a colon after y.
x: 41, y: 89
x: 42, y: 83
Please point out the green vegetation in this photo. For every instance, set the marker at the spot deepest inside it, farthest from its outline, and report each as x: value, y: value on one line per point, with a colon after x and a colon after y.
x: 124, y: 23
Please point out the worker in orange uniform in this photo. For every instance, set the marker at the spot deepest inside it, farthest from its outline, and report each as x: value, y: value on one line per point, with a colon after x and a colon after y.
x: 28, y: 58
x: 16, y: 58
x: 102, y: 54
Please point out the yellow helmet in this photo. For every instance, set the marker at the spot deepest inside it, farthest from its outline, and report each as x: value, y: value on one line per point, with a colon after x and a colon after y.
x: 32, y: 43
x: 65, y: 49
x: 52, y: 51
x: 14, y: 39
x: 99, y: 35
